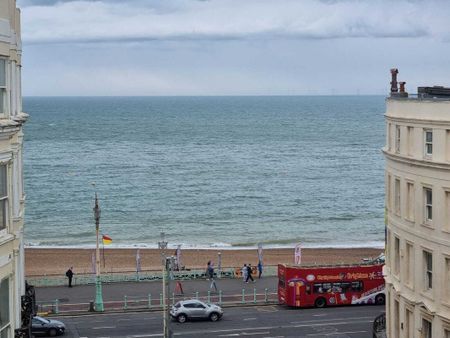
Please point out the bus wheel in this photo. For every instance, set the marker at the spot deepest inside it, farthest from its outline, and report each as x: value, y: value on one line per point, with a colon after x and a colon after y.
x: 380, y: 299
x: 320, y: 302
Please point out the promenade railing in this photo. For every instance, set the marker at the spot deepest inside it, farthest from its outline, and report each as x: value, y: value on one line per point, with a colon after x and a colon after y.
x: 120, y: 277
x: 155, y: 301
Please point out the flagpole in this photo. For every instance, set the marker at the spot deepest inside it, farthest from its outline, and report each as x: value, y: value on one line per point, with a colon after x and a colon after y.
x: 103, y: 252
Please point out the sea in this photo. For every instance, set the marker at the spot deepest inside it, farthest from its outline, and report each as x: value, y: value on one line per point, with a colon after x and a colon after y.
x: 209, y: 172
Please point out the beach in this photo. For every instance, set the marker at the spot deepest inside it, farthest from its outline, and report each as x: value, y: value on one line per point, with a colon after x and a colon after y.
x: 56, y: 261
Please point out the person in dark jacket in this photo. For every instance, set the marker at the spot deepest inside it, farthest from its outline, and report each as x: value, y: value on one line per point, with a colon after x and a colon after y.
x: 249, y: 273
x: 69, y: 274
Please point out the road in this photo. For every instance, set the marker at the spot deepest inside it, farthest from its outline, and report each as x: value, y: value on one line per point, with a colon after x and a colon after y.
x: 264, y: 321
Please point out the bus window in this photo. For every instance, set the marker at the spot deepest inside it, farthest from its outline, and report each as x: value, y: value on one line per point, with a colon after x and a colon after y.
x: 308, y: 289
x: 318, y: 288
x: 357, y: 286
x: 345, y: 286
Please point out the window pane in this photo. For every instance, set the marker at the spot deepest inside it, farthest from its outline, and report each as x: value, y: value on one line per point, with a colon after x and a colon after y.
x: 4, y: 304
x: 2, y: 96
x: 3, y: 188
x: 2, y: 73
x: 429, y: 148
x: 2, y: 214
x: 429, y: 136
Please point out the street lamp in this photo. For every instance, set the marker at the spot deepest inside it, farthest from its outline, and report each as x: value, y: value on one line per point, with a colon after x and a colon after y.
x: 98, y: 282
x: 166, y: 262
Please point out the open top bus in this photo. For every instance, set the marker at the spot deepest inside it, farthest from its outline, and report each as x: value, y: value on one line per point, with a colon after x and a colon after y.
x: 320, y: 286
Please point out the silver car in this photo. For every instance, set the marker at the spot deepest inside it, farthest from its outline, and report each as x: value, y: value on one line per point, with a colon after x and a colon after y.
x: 189, y: 309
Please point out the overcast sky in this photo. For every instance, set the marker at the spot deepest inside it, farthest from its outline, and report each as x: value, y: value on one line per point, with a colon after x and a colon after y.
x: 232, y: 47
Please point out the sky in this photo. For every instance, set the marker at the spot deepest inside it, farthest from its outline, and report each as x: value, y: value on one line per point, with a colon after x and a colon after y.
x: 232, y: 47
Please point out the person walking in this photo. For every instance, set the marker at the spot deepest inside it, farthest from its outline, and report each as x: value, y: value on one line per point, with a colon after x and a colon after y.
x: 213, y: 283
x: 208, y: 267
x: 244, y: 273
x: 69, y: 274
x: 260, y: 268
x: 249, y: 273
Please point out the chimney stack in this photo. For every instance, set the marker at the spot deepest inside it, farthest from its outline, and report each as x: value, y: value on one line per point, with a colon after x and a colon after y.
x: 394, y: 88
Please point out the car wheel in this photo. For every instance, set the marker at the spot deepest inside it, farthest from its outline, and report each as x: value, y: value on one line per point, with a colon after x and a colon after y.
x: 214, y: 317
x: 181, y: 318
x: 320, y: 302
x: 380, y: 299
x: 52, y: 332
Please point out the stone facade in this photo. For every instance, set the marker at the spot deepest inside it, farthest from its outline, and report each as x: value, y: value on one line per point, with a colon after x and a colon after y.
x: 12, y: 281
x: 417, y: 270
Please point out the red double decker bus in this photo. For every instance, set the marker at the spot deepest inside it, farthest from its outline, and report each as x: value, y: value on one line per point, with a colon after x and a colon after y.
x: 320, y: 286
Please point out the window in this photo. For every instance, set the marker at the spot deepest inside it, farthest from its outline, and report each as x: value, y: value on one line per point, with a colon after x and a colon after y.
x: 396, y: 319
x: 397, y: 196
x: 388, y: 192
x: 3, y: 196
x: 447, y: 333
x: 397, y: 139
x: 409, y: 273
x: 428, y: 142
x: 428, y: 204
x: 447, y: 280
x: 410, y: 201
x: 2, y: 85
x: 447, y: 211
x: 426, y: 328
x: 396, y: 256
x: 389, y: 142
x: 409, y: 327
x: 410, y: 133
x: 4, y: 307
x: 428, y: 269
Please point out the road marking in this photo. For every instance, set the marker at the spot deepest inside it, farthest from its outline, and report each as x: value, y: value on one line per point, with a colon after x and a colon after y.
x: 254, y: 333
x: 330, y: 319
x: 321, y: 315
x: 267, y: 309
x: 103, y: 327
x: 253, y: 318
x: 243, y: 334
x: 335, y: 333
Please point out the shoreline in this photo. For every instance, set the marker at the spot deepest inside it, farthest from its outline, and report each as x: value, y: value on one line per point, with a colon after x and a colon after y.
x: 55, y: 261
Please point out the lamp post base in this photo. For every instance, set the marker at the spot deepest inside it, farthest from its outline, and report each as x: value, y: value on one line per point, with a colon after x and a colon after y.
x: 98, y: 295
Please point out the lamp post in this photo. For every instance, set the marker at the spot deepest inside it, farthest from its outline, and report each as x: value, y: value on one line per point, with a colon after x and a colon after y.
x: 162, y: 245
x: 98, y: 282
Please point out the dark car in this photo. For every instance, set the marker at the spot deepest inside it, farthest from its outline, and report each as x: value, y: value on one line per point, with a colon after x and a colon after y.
x: 47, y: 327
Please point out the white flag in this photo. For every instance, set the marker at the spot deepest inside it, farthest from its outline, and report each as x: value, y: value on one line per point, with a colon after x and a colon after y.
x: 298, y: 254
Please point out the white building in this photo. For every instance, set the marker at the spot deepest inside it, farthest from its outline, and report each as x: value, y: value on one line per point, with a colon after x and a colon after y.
x: 417, y: 267
x: 12, y: 283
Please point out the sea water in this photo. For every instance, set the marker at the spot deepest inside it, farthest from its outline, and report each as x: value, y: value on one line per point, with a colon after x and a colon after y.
x: 208, y: 171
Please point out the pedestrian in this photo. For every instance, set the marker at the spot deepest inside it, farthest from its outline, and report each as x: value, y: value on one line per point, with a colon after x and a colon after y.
x: 249, y: 273
x: 213, y: 283
x: 69, y: 274
x: 211, y: 270
x: 244, y: 273
x: 208, y: 267
x: 260, y: 268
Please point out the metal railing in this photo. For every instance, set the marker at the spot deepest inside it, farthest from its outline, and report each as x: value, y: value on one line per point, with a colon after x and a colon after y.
x: 155, y: 302
x: 86, y: 279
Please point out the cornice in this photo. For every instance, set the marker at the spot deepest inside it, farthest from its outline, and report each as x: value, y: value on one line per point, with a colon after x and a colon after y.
x: 408, y: 120
x: 414, y: 161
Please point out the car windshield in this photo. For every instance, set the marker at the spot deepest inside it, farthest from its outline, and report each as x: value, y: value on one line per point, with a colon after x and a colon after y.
x: 178, y: 305
x: 43, y: 320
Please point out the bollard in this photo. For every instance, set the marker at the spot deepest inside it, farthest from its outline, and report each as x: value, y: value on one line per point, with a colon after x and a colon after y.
x: 265, y: 295
x: 220, y: 297
x: 254, y: 295
x: 243, y: 296
x: 149, y: 300
x: 125, y: 305
x: 173, y: 298
x: 196, y: 295
x: 161, y: 299
x: 209, y: 296
x: 56, y: 306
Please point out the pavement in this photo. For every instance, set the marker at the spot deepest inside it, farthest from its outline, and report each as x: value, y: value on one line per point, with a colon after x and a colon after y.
x: 116, y: 292
x: 258, y: 321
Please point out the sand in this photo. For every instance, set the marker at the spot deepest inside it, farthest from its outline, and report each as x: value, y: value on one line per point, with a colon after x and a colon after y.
x: 49, y: 262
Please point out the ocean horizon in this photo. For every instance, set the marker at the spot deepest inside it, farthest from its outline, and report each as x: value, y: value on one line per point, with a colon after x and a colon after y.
x: 209, y: 171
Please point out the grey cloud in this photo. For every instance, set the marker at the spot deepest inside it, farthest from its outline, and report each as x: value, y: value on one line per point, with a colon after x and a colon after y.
x: 149, y: 20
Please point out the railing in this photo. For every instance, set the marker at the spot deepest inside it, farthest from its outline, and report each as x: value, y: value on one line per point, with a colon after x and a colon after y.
x: 419, y: 97
x: 86, y: 279
x: 379, y: 326
x: 155, y: 302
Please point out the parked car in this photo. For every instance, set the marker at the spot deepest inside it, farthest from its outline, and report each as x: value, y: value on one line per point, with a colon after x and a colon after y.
x: 47, y: 327
x: 195, y: 309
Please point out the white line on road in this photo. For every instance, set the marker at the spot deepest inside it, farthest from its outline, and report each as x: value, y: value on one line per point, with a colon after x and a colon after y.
x: 321, y: 315
x: 103, y: 327
x: 336, y: 333
x: 253, y: 318
x: 330, y: 319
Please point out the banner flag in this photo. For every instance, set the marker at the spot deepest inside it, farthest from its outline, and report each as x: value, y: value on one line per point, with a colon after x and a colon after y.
x: 138, y: 261
x: 298, y: 254
x: 178, y: 252
x: 260, y: 253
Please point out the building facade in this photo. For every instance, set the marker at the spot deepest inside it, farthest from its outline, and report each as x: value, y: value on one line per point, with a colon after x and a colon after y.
x: 417, y: 270
x: 13, y: 288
